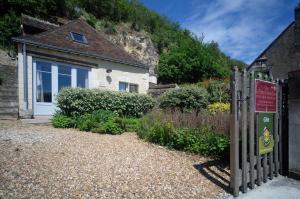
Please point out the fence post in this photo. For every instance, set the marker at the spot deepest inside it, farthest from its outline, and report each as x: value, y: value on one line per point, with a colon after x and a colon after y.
x: 251, y: 128
x: 244, y: 131
x: 276, y: 125
x: 234, y: 134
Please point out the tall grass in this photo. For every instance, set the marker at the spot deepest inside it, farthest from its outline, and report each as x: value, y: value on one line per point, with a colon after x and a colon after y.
x: 218, y: 122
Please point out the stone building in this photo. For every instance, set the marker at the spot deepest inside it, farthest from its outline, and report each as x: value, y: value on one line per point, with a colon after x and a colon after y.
x: 282, y: 60
x: 74, y: 54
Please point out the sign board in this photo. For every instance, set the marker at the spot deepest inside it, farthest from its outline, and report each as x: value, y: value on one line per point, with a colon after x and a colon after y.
x: 265, y: 96
x: 265, y: 130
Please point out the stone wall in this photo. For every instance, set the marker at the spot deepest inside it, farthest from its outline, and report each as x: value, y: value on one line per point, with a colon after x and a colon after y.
x: 282, y: 56
x: 8, y: 87
x: 157, y: 90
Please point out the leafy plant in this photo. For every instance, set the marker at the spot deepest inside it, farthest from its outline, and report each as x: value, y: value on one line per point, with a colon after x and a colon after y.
x: 61, y: 121
x: 219, y: 107
x: 200, y: 140
x: 112, y: 126
x: 185, y: 99
x: 131, y: 124
x: 87, y: 122
x: 79, y: 101
x: 218, y: 91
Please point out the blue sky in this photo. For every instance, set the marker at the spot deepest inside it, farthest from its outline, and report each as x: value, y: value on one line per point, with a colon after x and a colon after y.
x: 243, y: 28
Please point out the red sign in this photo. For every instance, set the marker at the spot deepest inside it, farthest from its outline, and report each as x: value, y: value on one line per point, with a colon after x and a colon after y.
x: 265, y: 96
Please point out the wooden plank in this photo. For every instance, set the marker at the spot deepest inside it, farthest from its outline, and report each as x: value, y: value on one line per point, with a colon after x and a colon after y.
x: 258, y: 158
x: 248, y: 176
x: 271, y: 166
x: 265, y: 170
x: 244, y: 132
x: 234, y: 135
x: 251, y: 129
x: 276, y: 126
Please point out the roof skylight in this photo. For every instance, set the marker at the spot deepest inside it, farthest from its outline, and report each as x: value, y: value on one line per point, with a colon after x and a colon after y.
x: 77, y: 37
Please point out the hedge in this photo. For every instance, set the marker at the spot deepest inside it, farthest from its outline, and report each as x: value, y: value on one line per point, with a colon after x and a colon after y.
x: 185, y: 99
x: 79, y: 101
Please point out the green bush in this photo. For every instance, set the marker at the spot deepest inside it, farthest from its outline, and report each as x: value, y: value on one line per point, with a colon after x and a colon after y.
x: 61, y: 121
x: 131, y: 124
x: 101, y: 121
x: 104, y: 115
x: 198, y: 140
x: 218, y: 91
x: 79, y: 101
x: 185, y: 99
x: 112, y: 126
x: 87, y: 122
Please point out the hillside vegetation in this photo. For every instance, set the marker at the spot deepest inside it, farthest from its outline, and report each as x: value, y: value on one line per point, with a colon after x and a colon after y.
x: 184, y: 58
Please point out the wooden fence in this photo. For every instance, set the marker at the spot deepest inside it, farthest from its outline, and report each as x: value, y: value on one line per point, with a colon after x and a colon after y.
x: 248, y: 168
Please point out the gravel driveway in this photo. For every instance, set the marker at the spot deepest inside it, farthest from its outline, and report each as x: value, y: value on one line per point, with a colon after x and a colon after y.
x: 42, y: 162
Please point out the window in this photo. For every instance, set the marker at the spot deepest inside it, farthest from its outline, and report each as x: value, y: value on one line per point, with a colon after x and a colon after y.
x: 123, y: 86
x: 133, y: 88
x: 80, y: 38
x: 43, y: 82
x: 128, y: 87
x: 82, y: 78
x: 64, y: 77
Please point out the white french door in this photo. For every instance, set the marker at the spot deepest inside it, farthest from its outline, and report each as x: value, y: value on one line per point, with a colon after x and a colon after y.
x: 49, y: 78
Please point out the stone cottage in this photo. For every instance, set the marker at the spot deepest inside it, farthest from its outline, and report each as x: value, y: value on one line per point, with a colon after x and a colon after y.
x: 282, y: 60
x: 74, y: 54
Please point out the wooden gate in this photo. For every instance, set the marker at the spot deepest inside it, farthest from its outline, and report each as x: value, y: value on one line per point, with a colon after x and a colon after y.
x: 249, y: 168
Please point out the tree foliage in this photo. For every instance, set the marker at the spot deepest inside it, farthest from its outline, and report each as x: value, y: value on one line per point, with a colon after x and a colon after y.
x: 183, y: 56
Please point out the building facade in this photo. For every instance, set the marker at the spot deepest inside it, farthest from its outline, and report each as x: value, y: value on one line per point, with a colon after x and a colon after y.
x: 282, y: 60
x: 71, y: 55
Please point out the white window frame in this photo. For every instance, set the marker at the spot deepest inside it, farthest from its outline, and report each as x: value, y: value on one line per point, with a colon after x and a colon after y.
x: 54, y: 77
x: 128, y: 86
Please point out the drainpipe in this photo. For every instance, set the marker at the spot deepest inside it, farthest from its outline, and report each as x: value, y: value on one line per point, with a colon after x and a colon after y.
x: 25, y: 77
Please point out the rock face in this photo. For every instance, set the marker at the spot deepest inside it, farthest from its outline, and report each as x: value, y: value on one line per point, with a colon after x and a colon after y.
x: 137, y: 44
x: 5, y: 59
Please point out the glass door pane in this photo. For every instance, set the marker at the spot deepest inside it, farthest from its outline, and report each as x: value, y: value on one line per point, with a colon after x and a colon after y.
x: 43, y: 82
x: 82, y: 78
x: 64, y: 76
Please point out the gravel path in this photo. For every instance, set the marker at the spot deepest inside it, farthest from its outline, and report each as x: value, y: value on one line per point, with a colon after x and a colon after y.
x: 43, y: 162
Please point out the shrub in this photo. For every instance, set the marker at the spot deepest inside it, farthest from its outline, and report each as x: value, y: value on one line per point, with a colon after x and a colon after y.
x: 185, y: 99
x: 218, y: 90
x: 219, y: 107
x: 112, y: 126
x: 131, y: 124
x: 87, y: 122
x: 61, y: 121
x: 104, y: 115
x: 197, y: 140
x: 79, y: 101
x: 98, y: 118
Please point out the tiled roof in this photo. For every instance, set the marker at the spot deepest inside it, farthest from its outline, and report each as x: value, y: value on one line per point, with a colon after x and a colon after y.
x: 37, y: 23
x: 98, y: 46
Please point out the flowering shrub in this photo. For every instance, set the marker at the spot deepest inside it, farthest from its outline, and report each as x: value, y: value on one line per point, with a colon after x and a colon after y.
x: 219, y: 107
x: 79, y: 101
